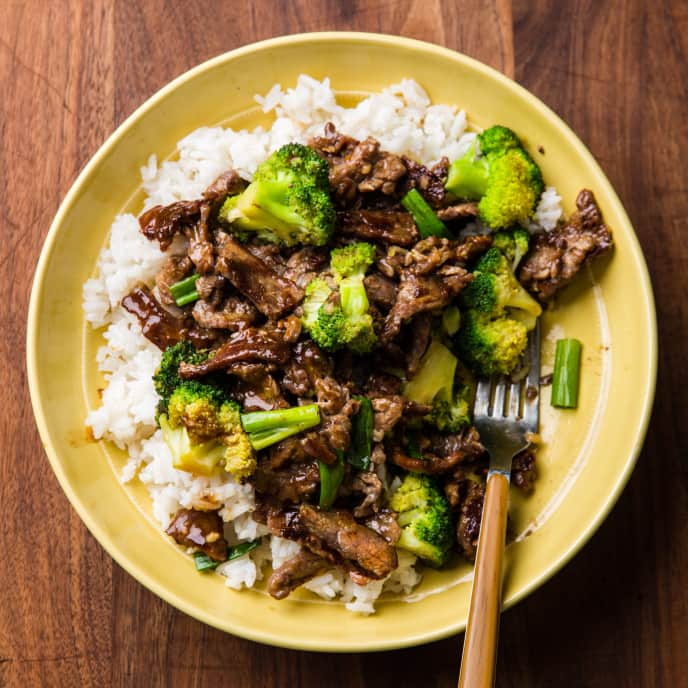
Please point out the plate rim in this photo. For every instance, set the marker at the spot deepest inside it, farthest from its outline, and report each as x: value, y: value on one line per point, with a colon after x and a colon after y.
x: 130, y: 566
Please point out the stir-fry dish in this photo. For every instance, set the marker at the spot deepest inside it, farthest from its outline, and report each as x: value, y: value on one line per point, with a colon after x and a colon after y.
x: 323, y: 327
x: 294, y: 324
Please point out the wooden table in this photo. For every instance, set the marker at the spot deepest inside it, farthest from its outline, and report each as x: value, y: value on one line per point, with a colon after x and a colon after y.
x: 617, y: 72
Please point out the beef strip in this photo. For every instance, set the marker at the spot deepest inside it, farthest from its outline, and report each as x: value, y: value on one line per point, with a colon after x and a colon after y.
x: 382, y: 385
x: 358, y: 167
x: 250, y: 345
x: 382, y: 226
x: 270, y: 254
x: 336, y: 536
x: 471, y: 248
x: 291, y: 483
x: 164, y: 222
x: 174, y: 269
x: 295, y: 572
x: 468, y: 523
x: 307, y: 365
x: 287, y: 451
x: 211, y: 289
x: 423, y: 294
x: 384, y: 522
x: 458, y: 211
x: 228, y: 183
x: 336, y: 428
x: 442, y: 453
x: 381, y: 290
x: 428, y: 181
x: 387, y: 413
x: 304, y: 265
x: 272, y: 294
x: 420, y: 330
x: 255, y: 388
x: 523, y: 472
x: 369, y: 485
x: 233, y: 313
x: 201, y: 530
x: 160, y: 326
x: 556, y: 257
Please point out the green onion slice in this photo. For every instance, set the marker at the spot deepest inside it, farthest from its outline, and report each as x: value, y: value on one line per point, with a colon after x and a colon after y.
x: 184, y: 291
x: 427, y: 222
x: 360, y: 449
x: 566, y: 375
x: 331, y: 477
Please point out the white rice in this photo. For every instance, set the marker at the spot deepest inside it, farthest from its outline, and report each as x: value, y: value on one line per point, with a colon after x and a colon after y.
x: 402, y: 118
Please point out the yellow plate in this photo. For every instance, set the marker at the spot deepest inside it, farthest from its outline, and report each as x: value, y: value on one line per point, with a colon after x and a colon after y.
x: 588, y: 455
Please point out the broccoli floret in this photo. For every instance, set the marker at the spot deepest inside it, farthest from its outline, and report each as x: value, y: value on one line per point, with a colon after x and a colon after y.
x: 166, y: 378
x: 495, y: 288
x: 424, y: 517
x: 203, y: 429
x: 347, y: 323
x: 505, y: 179
x: 491, y: 345
x: 288, y: 202
x: 436, y: 383
x: 513, y: 244
x: 352, y: 260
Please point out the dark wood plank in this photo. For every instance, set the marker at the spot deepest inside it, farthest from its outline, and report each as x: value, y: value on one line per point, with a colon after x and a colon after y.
x: 57, y: 106
x: 618, y: 614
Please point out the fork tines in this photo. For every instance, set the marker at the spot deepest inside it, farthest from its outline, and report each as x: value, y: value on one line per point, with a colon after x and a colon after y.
x: 517, y: 400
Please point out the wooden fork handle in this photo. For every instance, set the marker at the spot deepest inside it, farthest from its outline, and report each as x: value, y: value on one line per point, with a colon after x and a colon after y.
x: 480, y: 642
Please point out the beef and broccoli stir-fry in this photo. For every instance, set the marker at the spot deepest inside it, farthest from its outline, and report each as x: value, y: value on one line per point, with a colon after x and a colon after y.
x: 323, y: 327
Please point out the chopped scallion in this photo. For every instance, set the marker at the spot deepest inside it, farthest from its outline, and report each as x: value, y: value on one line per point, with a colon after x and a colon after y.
x: 360, y: 448
x: 566, y: 374
x: 184, y: 291
x: 331, y: 476
x: 427, y: 222
x: 204, y: 562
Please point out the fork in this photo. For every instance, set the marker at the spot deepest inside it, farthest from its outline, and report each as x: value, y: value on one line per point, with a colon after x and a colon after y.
x: 505, y: 426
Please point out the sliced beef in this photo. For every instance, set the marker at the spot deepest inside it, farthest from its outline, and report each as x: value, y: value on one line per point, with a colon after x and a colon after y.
x: 336, y: 536
x: 270, y: 254
x: 228, y: 183
x: 291, y: 483
x: 255, y: 388
x: 423, y: 294
x: 384, y: 522
x: 233, y: 313
x: 295, y: 572
x: 271, y: 294
x: 211, y: 289
x: 163, y: 222
x: 358, y: 167
x: 174, y: 269
x: 556, y: 257
x: 381, y: 290
x: 387, y: 413
x: 287, y: 451
x: 369, y: 486
x: 330, y: 394
x: 441, y: 453
x: 523, y: 472
x: 382, y: 226
x: 304, y: 265
x: 458, y: 211
x: 250, y: 345
x: 468, y: 523
x: 382, y: 385
x: 428, y: 180
x: 336, y: 428
x: 160, y: 326
x: 420, y: 331
x: 472, y: 248
x: 201, y: 530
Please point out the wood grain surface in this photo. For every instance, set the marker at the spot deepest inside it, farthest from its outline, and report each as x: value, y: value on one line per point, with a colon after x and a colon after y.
x: 616, y: 71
